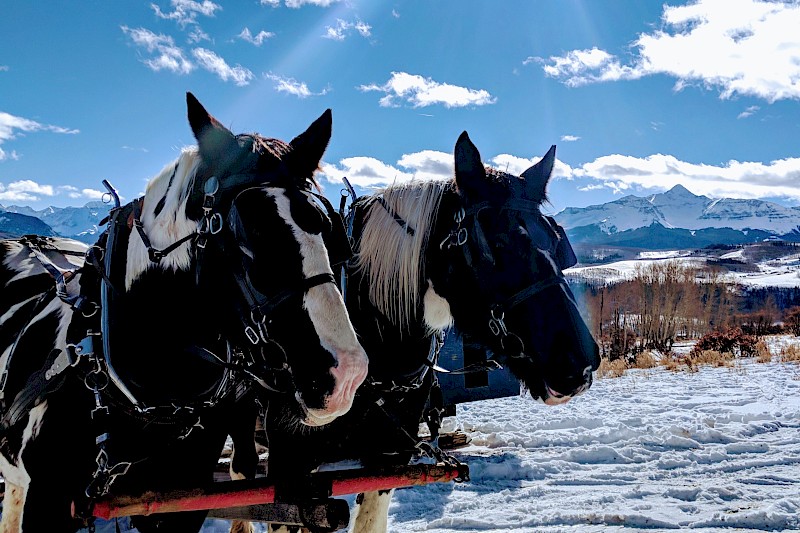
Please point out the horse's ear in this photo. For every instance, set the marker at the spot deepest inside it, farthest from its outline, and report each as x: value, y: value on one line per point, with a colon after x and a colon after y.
x: 309, y: 146
x: 470, y: 172
x: 212, y: 137
x: 538, y: 175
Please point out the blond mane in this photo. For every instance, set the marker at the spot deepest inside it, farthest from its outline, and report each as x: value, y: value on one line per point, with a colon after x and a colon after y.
x: 389, y: 256
x: 170, y: 223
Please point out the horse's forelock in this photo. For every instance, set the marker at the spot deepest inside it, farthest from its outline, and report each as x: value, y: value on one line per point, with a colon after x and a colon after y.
x: 391, y: 258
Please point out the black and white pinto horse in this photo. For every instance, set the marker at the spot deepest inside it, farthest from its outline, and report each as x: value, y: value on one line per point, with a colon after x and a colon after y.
x: 475, y: 252
x: 122, y: 364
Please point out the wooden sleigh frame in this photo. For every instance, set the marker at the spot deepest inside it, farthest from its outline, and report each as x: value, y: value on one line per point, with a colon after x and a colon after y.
x: 258, y: 499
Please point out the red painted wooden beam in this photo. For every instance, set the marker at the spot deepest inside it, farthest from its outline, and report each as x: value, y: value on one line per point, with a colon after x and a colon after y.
x: 226, y: 494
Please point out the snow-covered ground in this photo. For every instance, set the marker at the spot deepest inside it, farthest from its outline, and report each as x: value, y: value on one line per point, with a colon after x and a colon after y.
x: 653, y: 450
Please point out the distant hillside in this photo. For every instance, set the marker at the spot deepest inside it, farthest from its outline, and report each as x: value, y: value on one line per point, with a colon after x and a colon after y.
x: 16, y: 225
x: 657, y: 237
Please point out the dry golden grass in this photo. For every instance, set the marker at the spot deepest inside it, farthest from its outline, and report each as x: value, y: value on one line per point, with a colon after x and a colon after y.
x: 790, y: 354
x: 691, y: 363
x: 611, y: 369
x: 763, y: 355
x: 645, y: 360
x: 672, y: 364
x: 678, y: 363
x: 713, y: 358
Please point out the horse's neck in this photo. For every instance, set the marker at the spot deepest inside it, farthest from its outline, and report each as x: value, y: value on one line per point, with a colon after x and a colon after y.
x: 393, y: 349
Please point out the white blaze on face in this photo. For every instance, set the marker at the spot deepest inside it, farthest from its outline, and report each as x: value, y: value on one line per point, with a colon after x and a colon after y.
x: 326, y: 309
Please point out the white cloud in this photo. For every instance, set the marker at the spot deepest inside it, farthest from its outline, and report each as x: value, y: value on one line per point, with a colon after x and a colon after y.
x: 750, y: 111
x: 570, y: 138
x: 258, y: 39
x: 3, y: 68
x: 197, y: 35
x: 363, y: 171
x: 424, y: 165
x: 91, y: 194
x: 271, y: 3
x: 31, y: 191
x: 10, y: 125
x: 428, y: 164
x: 172, y: 58
x: 739, y: 47
x: 186, y: 11
x: 621, y: 174
x: 658, y: 172
x: 167, y: 55
x: 292, y: 86
x: 24, y: 191
x: 517, y: 165
x: 342, y: 28
x: 372, y: 173
x: 215, y: 64
x: 423, y: 92
x: 321, y: 3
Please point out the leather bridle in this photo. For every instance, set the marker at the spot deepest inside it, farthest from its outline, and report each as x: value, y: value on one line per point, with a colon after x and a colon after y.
x: 510, y: 343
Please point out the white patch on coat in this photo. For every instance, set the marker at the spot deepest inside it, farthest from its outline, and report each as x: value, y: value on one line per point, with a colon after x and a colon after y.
x: 16, y: 473
x: 437, y: 313
x: 16, y: 476
x: 372, y: 515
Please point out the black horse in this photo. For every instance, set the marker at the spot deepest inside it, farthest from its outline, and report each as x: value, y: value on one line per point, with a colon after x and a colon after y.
x: 475, y: 252
x: 122, y: 363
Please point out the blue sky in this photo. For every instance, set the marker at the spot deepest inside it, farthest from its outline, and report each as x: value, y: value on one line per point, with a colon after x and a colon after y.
x: 638, y: 95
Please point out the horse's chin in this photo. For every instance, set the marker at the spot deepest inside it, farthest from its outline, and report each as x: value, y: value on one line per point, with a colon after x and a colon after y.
x: 545, y: 394
x: 316, y: 417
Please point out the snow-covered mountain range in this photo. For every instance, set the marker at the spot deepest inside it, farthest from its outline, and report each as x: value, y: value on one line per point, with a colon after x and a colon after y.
x: 80, y: 223
x: 678, y: 208
x: 671, y: 220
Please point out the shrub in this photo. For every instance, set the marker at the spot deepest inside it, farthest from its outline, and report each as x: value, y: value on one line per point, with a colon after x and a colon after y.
x: 792, y: 319
x: 711, y: 357
x: 790, y: 354
x: 763, y: 355
x: 644, y: 360
x: 728, y: 341
x: 677, y: 362
x: 611, y: 369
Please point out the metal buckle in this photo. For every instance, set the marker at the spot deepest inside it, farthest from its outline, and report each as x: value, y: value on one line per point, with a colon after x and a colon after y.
x: 496, y: 324
x: 251, y: 334
x: 215, y: 223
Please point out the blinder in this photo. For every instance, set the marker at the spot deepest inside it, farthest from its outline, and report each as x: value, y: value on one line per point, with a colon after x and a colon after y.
x: 338, y: 244
x: 564, y: 255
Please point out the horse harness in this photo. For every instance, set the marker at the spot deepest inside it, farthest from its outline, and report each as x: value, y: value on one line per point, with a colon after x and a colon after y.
x: 89, y: 353
x: 511, y: 345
